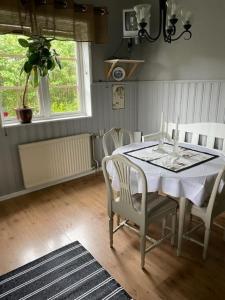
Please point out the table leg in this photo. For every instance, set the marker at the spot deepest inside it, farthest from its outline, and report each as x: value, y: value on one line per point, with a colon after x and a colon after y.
x: 182, y: 208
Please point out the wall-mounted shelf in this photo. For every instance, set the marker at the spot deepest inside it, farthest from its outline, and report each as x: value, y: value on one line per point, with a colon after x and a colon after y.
x: 130, y: 66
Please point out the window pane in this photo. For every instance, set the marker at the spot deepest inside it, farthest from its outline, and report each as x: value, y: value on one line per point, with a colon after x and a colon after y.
x: 11, y: 83
x: 63, y: 83
x: 10, y: 100
x: 64, y: 99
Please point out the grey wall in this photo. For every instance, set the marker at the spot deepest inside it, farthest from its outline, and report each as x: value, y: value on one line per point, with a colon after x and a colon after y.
x: 102, y: 52
x: 203, y: 57
x: 103, y: 118
x: 103, y: 115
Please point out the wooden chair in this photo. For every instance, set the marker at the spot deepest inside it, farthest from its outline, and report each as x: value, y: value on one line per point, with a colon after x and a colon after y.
x: 141, y: 209
x: 117, y: 135
x: 207, y: 213
x: 210, y: 135
x: 156, y: 136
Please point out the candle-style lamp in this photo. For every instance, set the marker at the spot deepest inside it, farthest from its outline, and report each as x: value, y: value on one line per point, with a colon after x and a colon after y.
x: 162, y: 131
x: 176, y: 138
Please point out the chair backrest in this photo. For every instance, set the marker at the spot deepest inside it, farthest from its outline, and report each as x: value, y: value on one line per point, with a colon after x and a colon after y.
x: 117, y: 136
x: 124, y: 204
x: 211, y: 135
x: 155, y: 137
x: 151, y: 137
x: 216, y: 204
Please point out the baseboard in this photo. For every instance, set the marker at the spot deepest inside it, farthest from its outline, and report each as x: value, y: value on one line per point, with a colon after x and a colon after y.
x: 40, y: 187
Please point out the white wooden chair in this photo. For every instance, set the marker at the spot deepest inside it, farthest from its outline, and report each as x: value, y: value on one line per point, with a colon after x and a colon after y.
x: 156, y: 136
x: 207, y: 213
x: 141, y: 209
x: 117, y: 135
x: 210, y: 135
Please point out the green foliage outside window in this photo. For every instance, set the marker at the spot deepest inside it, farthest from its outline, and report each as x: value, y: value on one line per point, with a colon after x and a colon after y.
x: 62, y: 83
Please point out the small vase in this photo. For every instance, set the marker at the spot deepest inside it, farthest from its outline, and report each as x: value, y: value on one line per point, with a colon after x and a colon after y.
x: 161, y: 141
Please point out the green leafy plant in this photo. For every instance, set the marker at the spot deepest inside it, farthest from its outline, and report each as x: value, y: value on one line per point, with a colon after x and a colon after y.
x: 40, y: 60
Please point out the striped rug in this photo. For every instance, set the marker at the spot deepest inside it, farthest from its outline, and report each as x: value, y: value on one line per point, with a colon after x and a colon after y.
x: 70, y: 272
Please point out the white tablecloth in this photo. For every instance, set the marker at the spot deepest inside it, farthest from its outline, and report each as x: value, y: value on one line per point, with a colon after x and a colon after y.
x: 194, y: 184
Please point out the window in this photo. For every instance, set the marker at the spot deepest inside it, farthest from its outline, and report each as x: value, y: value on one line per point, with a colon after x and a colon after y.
x: 64, y: 94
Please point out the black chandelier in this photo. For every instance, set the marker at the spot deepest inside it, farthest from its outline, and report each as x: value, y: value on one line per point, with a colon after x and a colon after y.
x: 168, y: 18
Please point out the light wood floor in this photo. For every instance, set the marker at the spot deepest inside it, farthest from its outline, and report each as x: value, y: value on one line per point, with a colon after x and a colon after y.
x: 35, y: 224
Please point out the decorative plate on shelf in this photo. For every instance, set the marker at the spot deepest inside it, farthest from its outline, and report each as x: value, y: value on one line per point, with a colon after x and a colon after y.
x: 118, y: 73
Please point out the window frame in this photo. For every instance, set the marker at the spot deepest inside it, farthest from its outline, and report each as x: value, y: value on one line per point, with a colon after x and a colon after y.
x: 84, y: 82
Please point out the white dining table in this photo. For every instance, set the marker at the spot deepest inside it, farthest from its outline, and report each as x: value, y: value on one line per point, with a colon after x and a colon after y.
x: 192, y: 185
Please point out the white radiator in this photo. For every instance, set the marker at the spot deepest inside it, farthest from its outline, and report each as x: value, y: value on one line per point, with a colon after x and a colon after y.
x: 54, y: 160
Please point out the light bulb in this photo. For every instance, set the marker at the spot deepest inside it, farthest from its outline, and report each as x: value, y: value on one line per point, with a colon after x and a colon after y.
x: 186, y: 17
x: 172, y: 7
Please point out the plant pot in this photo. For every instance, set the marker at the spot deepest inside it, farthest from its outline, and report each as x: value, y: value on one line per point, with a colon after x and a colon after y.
x: 24, y: 115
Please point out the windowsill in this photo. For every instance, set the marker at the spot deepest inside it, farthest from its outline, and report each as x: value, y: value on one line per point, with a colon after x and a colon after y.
x: 15, y: 123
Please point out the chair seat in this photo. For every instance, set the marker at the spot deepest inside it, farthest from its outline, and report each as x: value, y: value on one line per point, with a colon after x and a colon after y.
x: 202, y: 210
x: 157, y: 205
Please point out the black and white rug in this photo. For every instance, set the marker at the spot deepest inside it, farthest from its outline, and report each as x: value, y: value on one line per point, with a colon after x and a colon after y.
x: 70, y: 272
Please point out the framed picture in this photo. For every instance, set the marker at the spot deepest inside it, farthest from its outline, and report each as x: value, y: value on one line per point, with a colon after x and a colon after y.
x: 118, y: 97
x: 130, y: 25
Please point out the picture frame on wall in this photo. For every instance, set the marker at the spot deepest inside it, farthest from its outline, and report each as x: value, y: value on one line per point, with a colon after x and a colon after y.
x: 118, y: 96
x: 130, y: 25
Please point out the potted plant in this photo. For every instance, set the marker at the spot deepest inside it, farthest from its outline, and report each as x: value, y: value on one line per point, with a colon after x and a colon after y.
x: 40, y: 60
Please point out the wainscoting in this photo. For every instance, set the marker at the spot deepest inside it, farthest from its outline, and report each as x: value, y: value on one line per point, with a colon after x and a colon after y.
x: 103, y: 118
x: 194, y: 101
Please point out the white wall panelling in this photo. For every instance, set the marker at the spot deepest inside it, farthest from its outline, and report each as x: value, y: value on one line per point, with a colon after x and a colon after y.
x: 193, y: 101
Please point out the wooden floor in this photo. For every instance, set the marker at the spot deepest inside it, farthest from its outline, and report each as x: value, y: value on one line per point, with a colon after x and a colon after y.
x: 33, y: 225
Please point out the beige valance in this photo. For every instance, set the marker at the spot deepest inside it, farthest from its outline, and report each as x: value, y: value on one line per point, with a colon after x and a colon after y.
x: 56, y: 18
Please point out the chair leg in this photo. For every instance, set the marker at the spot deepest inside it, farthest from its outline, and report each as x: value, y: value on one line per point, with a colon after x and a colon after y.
x: 142, y: 248
x: 206, y: 242
x: 163, y: 227
x: 182, y: 209
x: 173, y: 228
x: 142, y: 244
x: 224, y: 235
x: 190, y: 219
x: 118, y: 220
x: 111, y: 231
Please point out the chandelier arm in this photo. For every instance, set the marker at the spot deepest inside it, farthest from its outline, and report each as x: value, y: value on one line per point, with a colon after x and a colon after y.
x: 165, y: 35
x: 183, y: 33
x: 161, y: 9
x: 148, y: 37
x: 174, y: 30
x: 146, y: 34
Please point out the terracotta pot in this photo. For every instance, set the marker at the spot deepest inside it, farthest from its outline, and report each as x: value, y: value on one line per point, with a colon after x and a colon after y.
x: 24, y: 115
